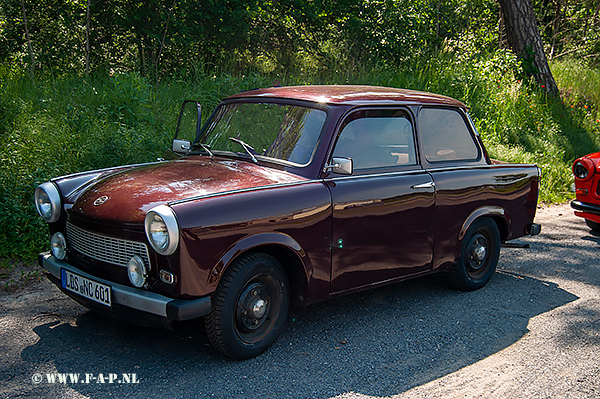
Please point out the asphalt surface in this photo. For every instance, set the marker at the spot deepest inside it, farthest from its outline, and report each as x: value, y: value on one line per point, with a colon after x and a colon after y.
x: 532, y: 332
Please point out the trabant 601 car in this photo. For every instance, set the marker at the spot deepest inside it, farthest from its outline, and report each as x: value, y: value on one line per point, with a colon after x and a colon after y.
x: 587, y: 189
x: 287, y: 195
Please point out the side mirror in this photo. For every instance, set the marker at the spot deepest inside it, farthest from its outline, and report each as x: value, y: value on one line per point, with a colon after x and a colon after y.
x: 181, y: 146
x: 189, y: 125
x: 340, y: 165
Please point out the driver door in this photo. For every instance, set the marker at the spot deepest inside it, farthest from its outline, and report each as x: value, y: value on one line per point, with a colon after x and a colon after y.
x: 383, y: 212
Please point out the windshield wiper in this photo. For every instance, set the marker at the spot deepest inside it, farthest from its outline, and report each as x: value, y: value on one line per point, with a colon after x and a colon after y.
x: 205, y: 147
x: 247, y: 147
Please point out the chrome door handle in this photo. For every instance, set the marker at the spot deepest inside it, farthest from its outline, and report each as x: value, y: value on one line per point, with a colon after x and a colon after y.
x: 427, y: 185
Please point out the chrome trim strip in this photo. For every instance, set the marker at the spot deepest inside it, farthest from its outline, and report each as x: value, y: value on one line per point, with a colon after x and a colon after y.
x: 127, y: 296
x: 382, y: 174
x: 449, y: 168
x: 99, y: 172
x: 328, y: 179
x: 242, y: 190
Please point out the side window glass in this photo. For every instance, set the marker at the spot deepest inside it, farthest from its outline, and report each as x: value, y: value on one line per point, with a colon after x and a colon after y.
x: 445, y: 136
x: 377, y: 139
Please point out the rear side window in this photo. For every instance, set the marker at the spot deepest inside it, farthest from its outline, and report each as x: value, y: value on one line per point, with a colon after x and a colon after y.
x: 445, y: 136
x: 377, y: 139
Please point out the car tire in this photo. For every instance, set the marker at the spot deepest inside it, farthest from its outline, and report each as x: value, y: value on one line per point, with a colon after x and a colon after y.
x: 480, y: 250
x: 593, y: 225
x: 249, y: 308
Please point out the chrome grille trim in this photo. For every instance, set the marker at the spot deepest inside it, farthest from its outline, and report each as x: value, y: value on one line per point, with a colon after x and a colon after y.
x: 107, y: 249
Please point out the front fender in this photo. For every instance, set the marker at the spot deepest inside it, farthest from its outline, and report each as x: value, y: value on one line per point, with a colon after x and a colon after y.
x: 291, y: 223
x: 254, y: 241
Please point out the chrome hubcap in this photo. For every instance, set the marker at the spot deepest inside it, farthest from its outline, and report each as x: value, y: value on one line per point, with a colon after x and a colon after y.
x: 259, y: 308
x: 479, y: 253
x: 253, y: 307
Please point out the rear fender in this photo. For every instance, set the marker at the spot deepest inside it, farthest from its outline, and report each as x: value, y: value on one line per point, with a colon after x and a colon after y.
x: 497, y: 213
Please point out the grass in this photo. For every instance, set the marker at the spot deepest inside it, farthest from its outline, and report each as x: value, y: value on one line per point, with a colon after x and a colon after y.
x: 69, y: 124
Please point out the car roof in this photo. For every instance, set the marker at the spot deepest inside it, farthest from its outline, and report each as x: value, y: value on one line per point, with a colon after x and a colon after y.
x: 350, y: 94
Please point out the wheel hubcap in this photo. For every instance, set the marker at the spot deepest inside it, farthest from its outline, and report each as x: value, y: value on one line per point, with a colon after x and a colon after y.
x: 259, y: 308
x: 252, y: 307
x: 477, y: 254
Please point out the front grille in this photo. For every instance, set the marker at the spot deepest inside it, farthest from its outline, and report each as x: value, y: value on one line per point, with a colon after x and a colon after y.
x: 104, y: 248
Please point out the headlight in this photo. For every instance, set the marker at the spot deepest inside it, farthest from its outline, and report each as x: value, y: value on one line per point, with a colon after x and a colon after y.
x: 58, y: 245
x: 47, y: 202
x: 162, y: 229
x: 136, y: 270
x: 580, y: 171
x: 583, y: 169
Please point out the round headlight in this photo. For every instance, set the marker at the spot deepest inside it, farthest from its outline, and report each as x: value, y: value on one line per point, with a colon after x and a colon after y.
x: 137, y: 272
x: 580, y: 171
x: 58, y: 246
x: 583, y: 168
x: 162, y: 229
x: 47, y: 202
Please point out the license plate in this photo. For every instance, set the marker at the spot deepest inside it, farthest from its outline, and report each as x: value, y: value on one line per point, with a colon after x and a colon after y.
x: 85, y: 287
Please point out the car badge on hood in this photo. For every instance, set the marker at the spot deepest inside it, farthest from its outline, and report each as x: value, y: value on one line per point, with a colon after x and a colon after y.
x: 101, y: 200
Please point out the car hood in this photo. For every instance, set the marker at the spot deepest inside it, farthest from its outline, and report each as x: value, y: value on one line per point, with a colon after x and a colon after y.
x: 127, y: 195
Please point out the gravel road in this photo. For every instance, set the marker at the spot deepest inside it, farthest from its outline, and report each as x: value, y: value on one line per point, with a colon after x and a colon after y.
x: 532, y: 332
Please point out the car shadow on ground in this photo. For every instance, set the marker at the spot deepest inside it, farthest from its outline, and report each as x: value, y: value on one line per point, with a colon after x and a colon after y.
x: 377, y: 343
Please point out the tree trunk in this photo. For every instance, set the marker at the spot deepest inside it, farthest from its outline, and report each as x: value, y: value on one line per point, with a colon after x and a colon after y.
x: 162, y: 43
x: 524, y: 38
x: 32, y: 66
x: 87, y: 40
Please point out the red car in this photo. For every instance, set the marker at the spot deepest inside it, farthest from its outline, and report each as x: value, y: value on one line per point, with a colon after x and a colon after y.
x: 587, y: 188
x: 286, y: 195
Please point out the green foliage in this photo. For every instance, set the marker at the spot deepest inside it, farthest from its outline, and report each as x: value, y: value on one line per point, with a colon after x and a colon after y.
x: 70, y: 124
x: 177, y: 39
x: 570, y: 27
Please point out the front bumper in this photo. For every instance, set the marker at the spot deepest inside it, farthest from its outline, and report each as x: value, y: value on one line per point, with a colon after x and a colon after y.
x: 132, y: 304
x: 586, y: 207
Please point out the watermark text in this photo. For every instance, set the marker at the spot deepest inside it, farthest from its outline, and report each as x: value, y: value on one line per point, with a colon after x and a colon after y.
x: 85, y: 378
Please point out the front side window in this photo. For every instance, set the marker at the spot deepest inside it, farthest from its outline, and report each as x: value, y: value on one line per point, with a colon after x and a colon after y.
x: 377, y: 139
x: 445, y: 136
x: 278, y: 131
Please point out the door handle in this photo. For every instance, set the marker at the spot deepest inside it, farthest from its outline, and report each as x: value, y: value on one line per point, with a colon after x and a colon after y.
x: 424, y: 186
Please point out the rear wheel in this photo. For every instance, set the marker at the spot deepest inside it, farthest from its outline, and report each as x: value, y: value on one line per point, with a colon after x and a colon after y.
x: 593, y: 225
x: 479, y: 255
x: 249, y: 308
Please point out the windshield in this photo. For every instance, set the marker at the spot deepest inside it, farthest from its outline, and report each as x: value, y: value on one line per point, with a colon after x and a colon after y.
x: 278, y: 131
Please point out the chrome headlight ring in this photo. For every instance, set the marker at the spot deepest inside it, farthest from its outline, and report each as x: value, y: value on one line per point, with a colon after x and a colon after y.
x: 162, y: 229
x: 47, y: 201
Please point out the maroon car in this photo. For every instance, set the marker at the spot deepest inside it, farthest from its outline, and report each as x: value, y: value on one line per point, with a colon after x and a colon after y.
x: 587, y: 188
x: 286, y: 195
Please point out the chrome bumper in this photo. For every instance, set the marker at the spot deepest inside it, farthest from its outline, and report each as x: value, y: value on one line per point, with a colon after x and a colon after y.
x: 585, y: 207
x: 136, y: 299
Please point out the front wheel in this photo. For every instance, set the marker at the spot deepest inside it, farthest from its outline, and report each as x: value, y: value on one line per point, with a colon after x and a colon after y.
x: 249, y: 307
x: 479, y: 255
